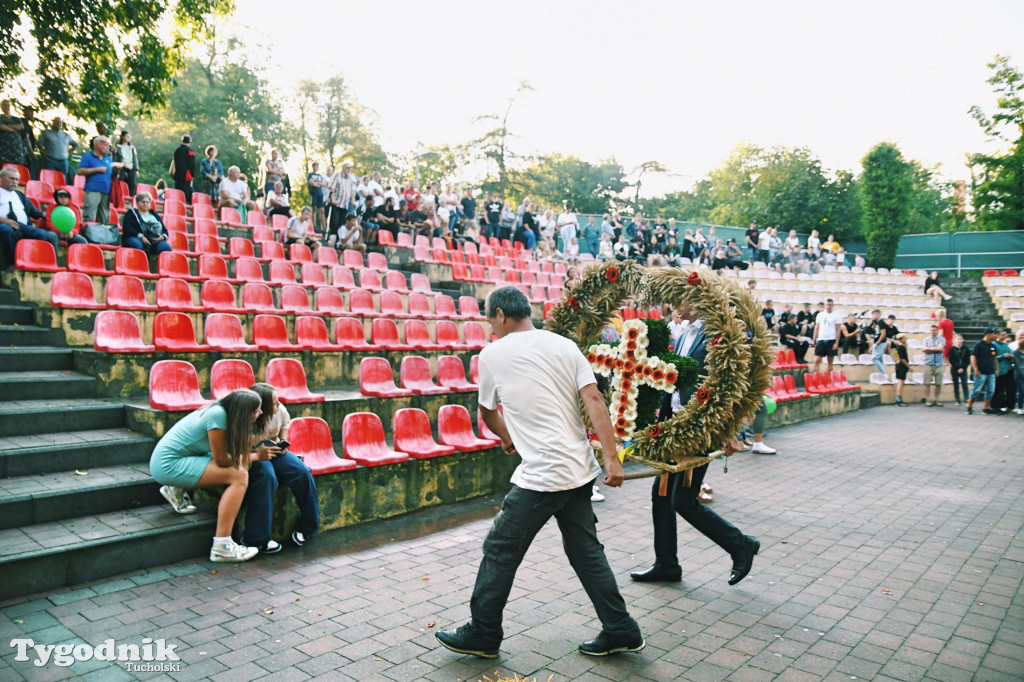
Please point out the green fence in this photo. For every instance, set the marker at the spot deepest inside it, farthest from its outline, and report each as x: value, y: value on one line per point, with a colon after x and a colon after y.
x: 958, y: 251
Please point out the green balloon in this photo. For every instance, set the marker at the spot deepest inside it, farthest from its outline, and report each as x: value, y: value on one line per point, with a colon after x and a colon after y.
x: 63, y: 218
x: 769, y: 403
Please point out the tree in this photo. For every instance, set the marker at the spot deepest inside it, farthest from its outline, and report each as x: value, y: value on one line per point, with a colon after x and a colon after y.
x: 887, y: 187
x: 493, y: 145
x: 694, y: 205
x: 552, y: 180
x: 998, y: 178
x: 91, y: 52
x: 640, y: 171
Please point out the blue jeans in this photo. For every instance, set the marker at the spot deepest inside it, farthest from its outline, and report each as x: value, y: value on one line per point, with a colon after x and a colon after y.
x: 136, y: 243
x: 264, y: 477
x: 8, y: 238
x: 876, y: 355
x: 57, y: 165
x: 984, y: 384
x: 1020, y: 390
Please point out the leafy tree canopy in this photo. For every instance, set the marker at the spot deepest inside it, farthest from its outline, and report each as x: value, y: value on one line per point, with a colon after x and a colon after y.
x: 554, y: 179
x: 886, y: 194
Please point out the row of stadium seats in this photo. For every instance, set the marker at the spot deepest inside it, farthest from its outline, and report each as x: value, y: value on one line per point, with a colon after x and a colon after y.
x: 377, y: 379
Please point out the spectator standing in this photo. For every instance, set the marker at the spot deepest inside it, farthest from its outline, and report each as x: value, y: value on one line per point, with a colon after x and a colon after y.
x: 212, y: 171
x: 29, y: 134
x: 983, y: 362
x: 753, y: 237
x: 16, y: 216
x: 12, y: 136
x: 508, y: 221
x: 1005, y: 396
x: 316, y: 183
x: 547, y: 225
x: 764, y: 245
x: 934, y: 364
x: 826, y: 335
x: 412, y: 197
x: 273, y: 171
x: 342, y: 189
x: 468, y: 204
x: 126, y: 154
x: 880, y: 334
x: 591, y: 236
x: 945, y: 328
x: 792, y: 241
x: 492, y: 209
x: 449, y: 203
x: 183, y: 167
x: 959, y: 362
x: 56, y: 145
x: 98, y: 168
x: 143, y: 229
x: 813, y: 246
x: 234, y: 192
x: 530, y: 221
x: 606, y: 227
x: 899, y: 344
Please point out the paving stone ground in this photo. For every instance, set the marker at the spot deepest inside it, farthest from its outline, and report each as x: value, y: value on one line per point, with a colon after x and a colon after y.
x: 892, y: 549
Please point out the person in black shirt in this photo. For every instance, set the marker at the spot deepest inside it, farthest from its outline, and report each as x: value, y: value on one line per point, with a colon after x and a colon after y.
x: 790, y: 336
x: 492, y: 208
x: 183, y: 167
x: 468, y: 204
x: 387, y: 217
x: 752, y: 236
x: 983, y: 362
x: 852, y: 340
x: 902, y: 366
x: 530, y: 222
x: 768, y: 313
x: 893, y: 329
x: 959, y: 362
x: 805, y: 320
x: 932, y: 288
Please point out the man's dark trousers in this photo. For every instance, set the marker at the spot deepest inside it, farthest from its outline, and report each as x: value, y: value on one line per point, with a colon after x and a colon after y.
x: 523, y: 514
x: 684, y: 500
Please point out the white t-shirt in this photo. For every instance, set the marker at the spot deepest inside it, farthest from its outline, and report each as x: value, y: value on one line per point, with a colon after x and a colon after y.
x: 374, y: 189
x: 827, y: 325
x: 10, y: 201
x: 537, y: 376
x: 234, y: 189
x: 814, y: 244
x: 281, y: 199
x: 764, y: 241
x: 344, y: 233
x: 298, y: 228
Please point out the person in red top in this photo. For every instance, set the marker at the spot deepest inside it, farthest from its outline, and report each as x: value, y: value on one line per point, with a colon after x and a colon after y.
x: 945, y: 326
x: 412, y: 197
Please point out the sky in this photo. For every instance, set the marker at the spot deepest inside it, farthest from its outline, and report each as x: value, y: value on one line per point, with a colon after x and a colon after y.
x: 676, y: 81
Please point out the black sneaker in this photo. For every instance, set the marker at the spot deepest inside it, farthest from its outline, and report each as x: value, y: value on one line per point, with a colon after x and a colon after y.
x: 969, y: 410
x: 272, y: 547
x: 605, y: 644
x: 466, y: 640
x: 991, y: 411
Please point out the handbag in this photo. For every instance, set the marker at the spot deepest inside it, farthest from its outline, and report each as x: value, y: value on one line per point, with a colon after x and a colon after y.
x: 96, y: 233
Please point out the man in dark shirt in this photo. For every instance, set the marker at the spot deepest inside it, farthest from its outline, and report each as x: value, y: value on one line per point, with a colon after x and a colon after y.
x: 768, y: 313
x: 752, y: 236
x: 387, y: 217
x: 893, y: 329
x: 790, y: 336
x: 983, y: 362
x: 805, y: 320
x: 492, y: 209
x: 899, y: 344
x: 183, y: 167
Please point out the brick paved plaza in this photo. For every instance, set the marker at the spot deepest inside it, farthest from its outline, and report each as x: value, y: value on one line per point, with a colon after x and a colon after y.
x: 891, y: 549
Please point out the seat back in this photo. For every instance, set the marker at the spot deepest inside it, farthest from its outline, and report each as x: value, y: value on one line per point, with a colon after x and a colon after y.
x: 300, y: 253
x: 212, y: 267
x: 360, y: 302
x: 230, y: 375
x: 447, y: 333
x: 395, y: 281
x: 282, y: 272
x: 173, y: 293
x: 362, y: 438
x: 217, y: 294
x: 420, y: 283
x: 174, y: 386
x: 326, y: 256
x: 87, y: 258
x: 311, y: 438
x: 72, y: 290
x: 412, y: 433
x: 417, y: 334
x: 384, y: 333
x: 269, y: 329
x: 391, y: 304
x: 295, y: 299
x: 414, y: 373
x: 454, y: 425
x: 330, y: 302
x: 131, y: 262
x: 116, y: 330
x: 288, y: 376
x: 375, y: 374
x: 376, y: 261
x: 206, y: 227
x: 313, y: 274
x: 173, y: 328
x: 258, y: 297
x: 125, y: 291
x: 469, y: 307
x: 341, y: 277
x: 248, y: 269
x: 370, y: 280
x: 352, y: 258
x: 451, y: 373
x: 475, y: 335
x: 239, y: 247
x: 224, y: 330
x: 311, y: 331
x: 349, y: 333
x: 270, y: 250
x: 419, y: 306
x: 444, y: 305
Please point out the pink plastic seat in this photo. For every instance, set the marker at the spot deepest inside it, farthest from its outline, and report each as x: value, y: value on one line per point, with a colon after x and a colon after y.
x: 376, y: 261
x: 212, y: 267
x: 360, y: 303
x: 116, y: 331
x: 132, y: 262
x: 417, y: 335
x: 404, y: 240
x: 173, y: 264
x: 87, y: 258
x: 469, y: 308
x: 175, y: 294
x: 475, y: 335
x: 300, y: 253
x: 341, y: 278
x: 349, y: 335
x: 262, y: 234
x: 447, y: 333
x: 224, y: 333
x: 295, y: 300
x: 269, y: 332
x: 282, y: 272
x: 370, y: 280
x: 174, y: 332
x: 326, y: 256
x: 362, y: 438
x: 474, y: 369
x: 289, y: 378
x: 230, y: 375
x: 385, y: 335
x: 419, y: 307
x: 455, y: 428
x: 412, y: 434
x: 258, y: 298
x: 329, y: 301
x: 391, y: 306
x: 313, y: 276
x: 311, y: 438
x: 217, y: 295
x: 240, y: 247
x: 451, y: 374
x: 174, y: 387
x: 351, y: 258
x: 207, y: 245
x: 444, y: 306
x: 124, y: 292
x: 385, y: 238
x: 414, y: 374
x: 377, y: 379
x: 73, y: 290
x: 481, y: 426
x: 420, y: 283
x: 395, y: 281
x: 311, y: 334
x: 248, y: 269
x: 270, y: 251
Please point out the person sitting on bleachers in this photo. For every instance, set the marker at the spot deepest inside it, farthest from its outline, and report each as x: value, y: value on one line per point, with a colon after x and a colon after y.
x: 234, y: 192
x: 282, y: 467
x: 805, y: 320
x: 932, y: 288
x: 299, y: 231
x: 143, y: 229
x: 768, y: 313
x: 62, y: 197
x: 791, y: 337
x: 387, y: 217
x: 852, y: 340
x: 212, y: 447
x: 349, y: 235
x: 277, y: 202
x: 16, y: 216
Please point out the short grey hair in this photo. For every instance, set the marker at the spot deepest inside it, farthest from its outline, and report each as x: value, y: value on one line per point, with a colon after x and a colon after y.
x: 511, y: 301
x: 11, y: 171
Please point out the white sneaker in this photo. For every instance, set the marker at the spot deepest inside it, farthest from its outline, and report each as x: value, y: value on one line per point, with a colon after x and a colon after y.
x: 597, y: 496
x: 298, y: 538
x: 231, y: 552
x: 762, y: 449
x: 179, y: 499
x: 1018, y: 411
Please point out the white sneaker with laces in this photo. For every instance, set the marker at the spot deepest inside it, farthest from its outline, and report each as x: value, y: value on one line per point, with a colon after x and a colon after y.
x: 179, y: 499
x: 762, y: 449
x: 596, y: 496
x: 231, y: 552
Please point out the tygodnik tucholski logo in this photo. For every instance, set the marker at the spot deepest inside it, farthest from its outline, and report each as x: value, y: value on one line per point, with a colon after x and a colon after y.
x: 153, y: 655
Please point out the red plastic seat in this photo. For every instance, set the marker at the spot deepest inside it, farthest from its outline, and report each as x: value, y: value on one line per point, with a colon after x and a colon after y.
x: 175, y: 294
x: 295, y: 300
x: 212, y: 267
x: 54, y: 178
x: 73, y: 290
x: 326, y: 256
x: 230, y: 375
x: 844, y: 383
x: 248, y: 269
x: 313, y: 275
x: 174, y: 332
x: 201, y: 199
x: 329, y: 301
x: 175, y: 224
x: 417, y: 335
x: 125, y: 292
x: 231, y: 216
x: 174, y: 208
x: 790, y: 389
x: 991, y: 273
x: 377, y: 379
x: 811, y: 384
x: 395, y: 281
x: 350, y: 335
x: 132, y: 262
x: 391, y: 306
x: 451, y: 374
x: 414, y: 374
x: 421, y: 254
x: 87, y: 258
x: 282, y: 272
x: 385, y: 238
x: 311, y: 439
x: 217, y: 295
x: 206, y: 227
x: 455, y: 428
x: 270, y: 251
x: 178, y: 242
x: 289, y: 378
x: 240, y: 247
x: 351, y: 258
x: 444, y: 306
x: 475, y: 335
x: 255, y: 219
x: 311, y: 334
x: 263, y: 234
x: 412, y: 433
x: 117, y: 331
x: 360, y: 303
x: 300, y: 253
x: 376, y: 261
x: 404, y: 240
x: 224, y: 332
x: 469, y: 308
x: 370, y: 280
x: 1010, y: 273
x: 258, y: 298
x: 419, y: 282
x: 362, y: 438
x: 174, y: 387
x: 173, y: 264
x: 206, y: 245
x: 474, y: 369
x: 269, y: 332
x: 481, y: 426
x: 419, y: 306
x: 447, y: 333
x: 279, y: 223
x: 341, y: 278
x: 24, y: 177
x: 385, y: 335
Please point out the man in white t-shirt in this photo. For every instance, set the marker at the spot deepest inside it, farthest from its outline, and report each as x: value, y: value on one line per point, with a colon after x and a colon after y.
x: 540, y: 378
x: 826, y: 335
x: 234, y: 191
x: 568, y: 226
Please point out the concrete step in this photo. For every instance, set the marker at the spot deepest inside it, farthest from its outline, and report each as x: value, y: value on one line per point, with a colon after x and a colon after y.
x: 8, y: 296
x: 16, y: 314
x: 46, y: 556
x: 36, y: 358
x: 43, y: 384
x: 42, y: 498
x: 29, y: 455
x: 27, y: 417
x: 18, y: 335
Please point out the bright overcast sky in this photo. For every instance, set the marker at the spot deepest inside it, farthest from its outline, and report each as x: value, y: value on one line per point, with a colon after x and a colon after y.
x: 677, y: 81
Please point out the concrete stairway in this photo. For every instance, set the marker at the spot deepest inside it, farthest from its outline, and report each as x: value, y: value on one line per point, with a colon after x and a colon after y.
x: 76, y: 499
x: 971, y: 308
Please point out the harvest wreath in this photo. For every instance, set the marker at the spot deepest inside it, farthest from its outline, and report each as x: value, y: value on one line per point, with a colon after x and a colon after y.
x: 737, y: 364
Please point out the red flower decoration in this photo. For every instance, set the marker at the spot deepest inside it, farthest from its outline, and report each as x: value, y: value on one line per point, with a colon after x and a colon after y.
x: 609, y: 362
x: 647, y: 370
x: 716, y: 340
x: 671, y: 377
x: 629, y: 365
x: 626, y: 384
x: 573, y: 303
x: 623, y: 399
x: 655, y: 431
x: 620, y: 432
x: 612, y: 274
x: 658, y: 375
x: 703, y: 394
x: 619, y: 363
x: 693, y: 279
x: 620, y: 422
x: 592, y: 358
x: 632, y: 333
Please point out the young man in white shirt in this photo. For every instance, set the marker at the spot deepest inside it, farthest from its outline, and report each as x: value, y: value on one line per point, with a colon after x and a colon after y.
x: 826, y: 335
x: 539, y: 378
